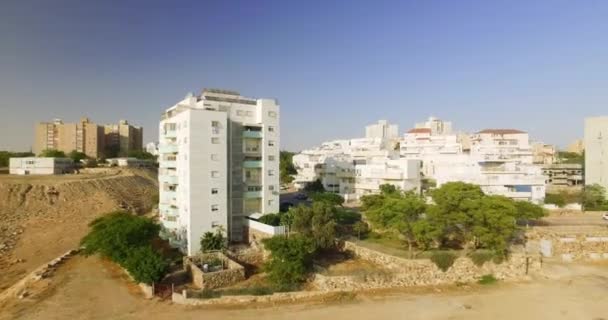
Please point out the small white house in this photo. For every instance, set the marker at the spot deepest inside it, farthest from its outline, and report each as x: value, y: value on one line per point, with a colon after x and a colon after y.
x: 129, y: 162
x: 40, y: 166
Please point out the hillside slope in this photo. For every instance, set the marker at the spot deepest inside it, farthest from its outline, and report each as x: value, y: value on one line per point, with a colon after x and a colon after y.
x: 42, y: 217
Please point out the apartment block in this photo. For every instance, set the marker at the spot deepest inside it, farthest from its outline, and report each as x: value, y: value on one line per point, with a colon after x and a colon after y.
x: 122, y: 137
x: 84, y: 136
x: 596, y: 151
x: 87, y: 137
x: 219, y: 164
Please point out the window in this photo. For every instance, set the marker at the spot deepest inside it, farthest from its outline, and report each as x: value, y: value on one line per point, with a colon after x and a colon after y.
x: 215, y: 124
x: 215, y: 190
x: 271, y: 188
x: 270, y: 129
x: 271, y: 143
x: 215, y: 224
x: 215, y: 174
x: 270, y: 158
x: 215, y: 207
x: 215, y: 157
x: 215, y: 140
x: 272, y: 114
x: 271, y: 173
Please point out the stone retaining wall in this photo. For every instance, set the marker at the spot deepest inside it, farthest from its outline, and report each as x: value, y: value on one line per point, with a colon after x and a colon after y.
x: 283, y: 297
x: 423, y: 272
x: 571, y: 243
x: 231, y: 273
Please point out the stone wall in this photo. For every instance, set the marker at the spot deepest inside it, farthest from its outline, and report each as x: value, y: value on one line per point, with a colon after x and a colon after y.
x: 569, y: 243
x: 283, y: 297
x: 422, y: 272
x: 231, y: 272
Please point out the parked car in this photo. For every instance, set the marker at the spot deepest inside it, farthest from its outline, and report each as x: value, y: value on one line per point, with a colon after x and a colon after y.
x: 284, y: 206
x: 301, y: 196
x: 605, y: 216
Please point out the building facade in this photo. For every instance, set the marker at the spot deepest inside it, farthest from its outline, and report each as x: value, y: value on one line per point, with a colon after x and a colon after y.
x: 219, y: 163
x: 87, y: 137
x: 596, y: 151
x: 40, y: 166
x: 500, y: 161
x: 563, y: 176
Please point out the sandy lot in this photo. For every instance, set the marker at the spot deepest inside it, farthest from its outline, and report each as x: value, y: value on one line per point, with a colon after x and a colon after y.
x: 88, y: 288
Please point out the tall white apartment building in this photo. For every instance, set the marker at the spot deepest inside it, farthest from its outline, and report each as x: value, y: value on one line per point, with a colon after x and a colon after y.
x: 596, y: 151
x: 219, y: 163
x: 357, y: 167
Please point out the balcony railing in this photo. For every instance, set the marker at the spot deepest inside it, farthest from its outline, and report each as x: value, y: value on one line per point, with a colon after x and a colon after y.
x: 167, y: 148
x: 252, y: 164
x: 252, y: 134
x: 253, y: 194
x: 168, y: 164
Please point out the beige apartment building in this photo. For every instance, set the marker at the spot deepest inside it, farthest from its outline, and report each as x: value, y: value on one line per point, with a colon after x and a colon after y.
x: 87, y: 137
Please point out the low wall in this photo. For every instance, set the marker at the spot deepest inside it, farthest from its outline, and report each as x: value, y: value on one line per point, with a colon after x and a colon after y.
x: 231, y: 273
x: 569, y: 243
x: 283, y: 297
x: 423, y: 272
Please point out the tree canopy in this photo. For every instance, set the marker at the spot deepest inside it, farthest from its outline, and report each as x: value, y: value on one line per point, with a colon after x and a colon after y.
x: 331, y: 198
x: 290, y: 260
x: 76, y: 156
x: 6, y: 155
x: 314, y: 187
x: 594, y: 198
x: 316, y: 222
x: 52, y: 153
x: 211, y: 241
x: 286, y: 167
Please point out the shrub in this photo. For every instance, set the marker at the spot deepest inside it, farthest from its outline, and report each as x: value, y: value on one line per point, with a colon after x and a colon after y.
x: 556, y: 199
x: 487, y: 279
x: 347, y: 217
x: 361, y: 229
x: 443, y: 259
x: 145, y: 265
x: 480, y: 257
x: 270, y: 219
x: 213, y: 241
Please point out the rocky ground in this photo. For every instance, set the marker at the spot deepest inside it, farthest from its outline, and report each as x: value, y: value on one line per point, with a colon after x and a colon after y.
x: 43, y: 217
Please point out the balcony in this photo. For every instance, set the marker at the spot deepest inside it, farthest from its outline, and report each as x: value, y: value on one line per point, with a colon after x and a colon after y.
x: 252, y: 134
x: 168, y: 209
x: 253, y: 194
x: 170, y: 133
x: 252, y: 164
x: 167, y: 148
x: 170, y: 179
x: 167, y: 164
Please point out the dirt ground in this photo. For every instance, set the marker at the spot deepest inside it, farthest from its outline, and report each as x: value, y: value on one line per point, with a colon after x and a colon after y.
x: 88, y: 288
x: 43, y: 217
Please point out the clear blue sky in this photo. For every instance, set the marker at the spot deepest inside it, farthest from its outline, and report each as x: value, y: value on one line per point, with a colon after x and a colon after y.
x: 335, y: 66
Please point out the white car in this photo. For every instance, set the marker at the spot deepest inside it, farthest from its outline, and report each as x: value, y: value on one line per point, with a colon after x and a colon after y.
x: 605, y: 216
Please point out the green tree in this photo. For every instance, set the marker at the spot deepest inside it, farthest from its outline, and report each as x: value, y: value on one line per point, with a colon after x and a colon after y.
x: 140, y: 154
x: 77, y: 156
x: 594, y: 198
x: 290, y: 260
x: 6, y: 155
x: 115, y: 234
x: 452, y: 212
x: 494, y: 223
x: 527, y: 211
x: 52, y: 153
x: 328, y: 197
x: 361, y: 229
x: 145, y: 265
x: 398, y: 212
x: 316, y: 222
x: 286, y: 167
x: 314, y: 187
x: 556, y: 199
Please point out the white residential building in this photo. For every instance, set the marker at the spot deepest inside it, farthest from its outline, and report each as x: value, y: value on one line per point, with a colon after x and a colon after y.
x: 596, y: 151
x: 219, y: 163
x: 357, y: 167
x: 40, y: 166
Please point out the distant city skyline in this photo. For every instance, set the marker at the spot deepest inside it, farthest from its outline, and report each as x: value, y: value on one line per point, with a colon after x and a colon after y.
x: 334, y: 67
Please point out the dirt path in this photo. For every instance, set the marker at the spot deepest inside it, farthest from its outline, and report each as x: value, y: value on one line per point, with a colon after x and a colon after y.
x: 87, y: 288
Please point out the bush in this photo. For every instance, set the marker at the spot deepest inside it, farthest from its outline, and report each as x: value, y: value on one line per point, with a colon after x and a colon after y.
x: 328, y: 197
x: 213, y: 241
x: 443, y: 259
x: 116, y: 234
x: 556, y: 199
x: 145, y: 265
x: 270, y: 219
x: 480, y: 257
x: 487, y: 279
x: 344, y: 216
